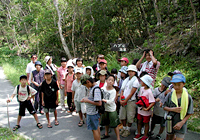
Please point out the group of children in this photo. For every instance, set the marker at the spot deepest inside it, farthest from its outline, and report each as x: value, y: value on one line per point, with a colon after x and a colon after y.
x: 114, y: 99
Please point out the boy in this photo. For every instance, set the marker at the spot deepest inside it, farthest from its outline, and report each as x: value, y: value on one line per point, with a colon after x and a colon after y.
x: 179, y: 104
x: 103, y: 66
x: 49, y: 90
x: 37, y: 78
x: 102, y: 78
x: 93, y: 100
x: 22, y: 91
x: 158, y: 112
x: 151, y: 65
x: 79, y: 92
x: 69, y: 78
x: 62, y: 71
x: 128, y: 106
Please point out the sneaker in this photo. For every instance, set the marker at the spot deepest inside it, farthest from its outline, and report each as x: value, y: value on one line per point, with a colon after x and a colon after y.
x: 158, y: 137
x: 122, y: 131
x: 144, y: 138
x: 63, y: 109
x: 126, y: 133
x: 137, y: 137
x: 142, y: 131
x: 136, y: 132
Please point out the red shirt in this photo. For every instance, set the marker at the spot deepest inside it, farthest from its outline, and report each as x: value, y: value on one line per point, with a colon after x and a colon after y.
x: 101, y: 85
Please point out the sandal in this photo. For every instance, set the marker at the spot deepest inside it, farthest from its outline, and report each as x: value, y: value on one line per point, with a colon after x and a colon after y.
x: 49, y: 126
x: 16, y: 127
x: 81, y: 123
x: 105, y: 136
x: 56, y: 123
x: 39, y: 125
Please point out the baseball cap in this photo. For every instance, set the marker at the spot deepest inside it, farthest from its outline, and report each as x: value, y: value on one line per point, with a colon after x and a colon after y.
x: 178, y: 78
x: 47, y: 71
x: 63, y: 59
x: 123, y: 69
x: 84, y: 78
x: 78, y: 70
x: 103, y: 61
x: 124, y: 59
x: 175, y: 72
x: 166, y: 81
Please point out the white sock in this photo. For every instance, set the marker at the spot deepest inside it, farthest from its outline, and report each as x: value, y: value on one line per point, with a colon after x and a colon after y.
x: 128, y: 128
x: 124, y: 127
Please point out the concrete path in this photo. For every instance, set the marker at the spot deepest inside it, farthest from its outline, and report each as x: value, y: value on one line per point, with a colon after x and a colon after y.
x: 67, y: 130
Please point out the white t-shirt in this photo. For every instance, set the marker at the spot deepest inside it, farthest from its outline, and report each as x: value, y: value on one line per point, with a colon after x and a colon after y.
x: 109, y: 96
x: 23, y: 93
x: 79, y: 89
x: 30, y: 67
x: 128, y: 89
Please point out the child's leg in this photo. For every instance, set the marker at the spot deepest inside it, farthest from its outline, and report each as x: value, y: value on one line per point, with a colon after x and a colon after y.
x: 170, y: 137
x: 139, y: 126
x: 55, y: 115
x: 19, y: 119
x: 152, y: 126
x: 117, y: 132
x: 106, y: 130
x: 47, y: 116
x: 96, y: 134
x: 161, y: 130
x: 69, y: 100
x: 36, y: 118
x: 80, y: 115
x: 146, y: 129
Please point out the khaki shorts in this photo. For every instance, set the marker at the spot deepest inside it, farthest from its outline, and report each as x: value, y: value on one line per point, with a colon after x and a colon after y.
x: 128, y: 111
x: 80, y: 107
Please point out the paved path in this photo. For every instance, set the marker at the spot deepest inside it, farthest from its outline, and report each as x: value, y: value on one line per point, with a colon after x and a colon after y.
x: 67, y: 130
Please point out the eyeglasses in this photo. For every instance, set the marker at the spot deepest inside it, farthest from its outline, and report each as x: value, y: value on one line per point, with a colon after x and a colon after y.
x: 34, y: 57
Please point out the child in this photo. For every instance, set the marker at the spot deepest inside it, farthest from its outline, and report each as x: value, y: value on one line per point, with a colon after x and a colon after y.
x: 79, y: 92
x: 151, y: 65
x: 103, y: 66
x: 158, y: 112
x: 49, y: 90
x: 179, y: 104
x: 93, y: 100
x: 102, y: 75
x: 22, y: 91
x: 123, y: 62
x: 144, y: 114
x: 89, y: 71
x: 114, y: 72
x: 62, y: 71
x: 69, y: 78
x: 96, y: 66
x: 79, y: 63
x: 110, y: 117
x: 128, y: 106
x: 37, y: 78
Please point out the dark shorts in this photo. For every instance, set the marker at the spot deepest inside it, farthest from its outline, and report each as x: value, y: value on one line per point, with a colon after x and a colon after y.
x: 145, y: 119
x: 110, y: 118
x: 158, y: 120
x: 93, y: 121
x: 26, y: 104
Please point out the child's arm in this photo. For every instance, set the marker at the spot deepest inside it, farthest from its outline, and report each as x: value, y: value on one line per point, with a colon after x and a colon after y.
x: 73, y: 93
x: 148, y: 108
x: 65, y: 84
x: 42, y: 98
x: 173, y: 109
x: 58, y: 79
x: 57, y: 97
x: 179, y: 125
x: 140, y: 61
x: 9, y: 100
x: 86, y: 100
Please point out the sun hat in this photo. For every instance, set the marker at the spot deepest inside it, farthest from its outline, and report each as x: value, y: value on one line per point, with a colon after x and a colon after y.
x: 47, y: 71
x: 46, y: 59
x: 178, y: 78
x: 132, y: 68
x: 124, y: 59
x: 123, y: 69
x: 78, y: 70
x: 38, y: 63
x: 175, y: 72
x: 84, y: 78
x: 69, y: 64
x: 147, y: 80
x: 74, y: 61
x: 166, y: 81
x: 103, y: 61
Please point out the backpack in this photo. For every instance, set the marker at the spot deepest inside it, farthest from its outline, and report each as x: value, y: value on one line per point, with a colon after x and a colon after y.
x: 101, y: 109
x: 28, y: 90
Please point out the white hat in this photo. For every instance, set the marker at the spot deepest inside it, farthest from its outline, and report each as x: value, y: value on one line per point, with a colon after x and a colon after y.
x: 74, y: 61
x: 46, y: 59
x: 132, y: 68
x: 147, y: 80
x: 78, y: 70
x: 69, y: 64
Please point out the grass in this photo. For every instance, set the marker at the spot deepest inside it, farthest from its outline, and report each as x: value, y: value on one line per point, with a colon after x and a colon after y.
x: 7, y: 134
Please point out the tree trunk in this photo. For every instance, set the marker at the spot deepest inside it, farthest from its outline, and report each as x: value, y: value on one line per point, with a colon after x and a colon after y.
x: 60, y: 30
x: 194, y: 15
x: 157, y: 12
